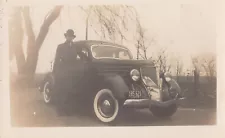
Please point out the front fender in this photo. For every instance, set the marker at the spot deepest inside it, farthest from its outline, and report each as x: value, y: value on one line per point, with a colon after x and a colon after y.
x: 118, y: 86
x: 173, y: 90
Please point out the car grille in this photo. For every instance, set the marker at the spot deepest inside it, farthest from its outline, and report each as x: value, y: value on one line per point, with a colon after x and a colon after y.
x: 148, y: 71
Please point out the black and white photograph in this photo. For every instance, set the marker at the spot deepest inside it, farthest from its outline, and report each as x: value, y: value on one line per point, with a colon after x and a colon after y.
x: 113, y: 65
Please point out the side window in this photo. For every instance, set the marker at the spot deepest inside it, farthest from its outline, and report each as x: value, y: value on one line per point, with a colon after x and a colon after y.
x: 123, y: 55
x: 85, y: 51
x: 78, y: 57
x: 83, y: 54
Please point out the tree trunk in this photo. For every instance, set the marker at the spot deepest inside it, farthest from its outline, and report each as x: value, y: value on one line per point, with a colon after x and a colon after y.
x: 16, y: 40
x: 27, y: 66
x: 31, y: 48
x: 145, y: 53
x: 177, y: 77
x: 196, y: 82
x: 138, y: 50
x: 34, y: 46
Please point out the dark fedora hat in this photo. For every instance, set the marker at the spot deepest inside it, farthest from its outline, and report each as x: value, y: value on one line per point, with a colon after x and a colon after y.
x: 69, y: 32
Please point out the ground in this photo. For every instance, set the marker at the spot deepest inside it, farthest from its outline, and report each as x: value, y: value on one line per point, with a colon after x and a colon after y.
x: 28, y: 109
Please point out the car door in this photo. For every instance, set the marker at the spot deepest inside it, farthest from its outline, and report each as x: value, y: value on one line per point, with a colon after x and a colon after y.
x: 80, y: 68
x: 70, y: 75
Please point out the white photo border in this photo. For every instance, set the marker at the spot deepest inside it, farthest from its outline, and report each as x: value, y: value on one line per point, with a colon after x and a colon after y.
x: 111, y: 132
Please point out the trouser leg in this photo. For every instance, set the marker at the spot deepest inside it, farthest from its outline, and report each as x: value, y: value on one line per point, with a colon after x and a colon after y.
x: 61, y: 96
x: 63, y: 87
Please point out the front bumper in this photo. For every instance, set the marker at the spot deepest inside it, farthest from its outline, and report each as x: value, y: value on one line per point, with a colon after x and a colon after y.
x: 146, y: 103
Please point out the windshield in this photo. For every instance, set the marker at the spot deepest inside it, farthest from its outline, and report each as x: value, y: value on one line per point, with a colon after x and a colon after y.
x: 111, y: 52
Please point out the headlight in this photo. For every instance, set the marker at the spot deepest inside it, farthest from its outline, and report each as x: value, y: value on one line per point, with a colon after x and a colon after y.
x: 168, y: 76
x: 135, y: 75
x: 168, y: 79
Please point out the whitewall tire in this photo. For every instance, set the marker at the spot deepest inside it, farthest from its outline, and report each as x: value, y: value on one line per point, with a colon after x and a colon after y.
x: 106, y: 106
x: 46, y: 93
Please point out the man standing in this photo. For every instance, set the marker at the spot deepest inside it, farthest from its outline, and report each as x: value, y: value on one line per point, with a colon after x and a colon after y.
x: 63, y: 52
x: 66, y: 56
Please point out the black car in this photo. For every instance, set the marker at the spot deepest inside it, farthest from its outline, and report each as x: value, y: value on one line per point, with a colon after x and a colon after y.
x: 109, y: 79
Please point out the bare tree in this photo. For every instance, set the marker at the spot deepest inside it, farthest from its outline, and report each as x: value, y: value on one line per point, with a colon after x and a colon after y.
x: 111, y: 19
x: 179, y: 68
x: 209, y: 66
x: 196, y: 63
x: 27, y: 66
x: 141, y: 48
x: 143, y: 42
x: 16, y: 39
x: 162, y: 61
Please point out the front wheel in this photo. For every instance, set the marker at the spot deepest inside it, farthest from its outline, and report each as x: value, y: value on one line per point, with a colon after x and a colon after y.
x: 163, y: 111
x: 106, y: 106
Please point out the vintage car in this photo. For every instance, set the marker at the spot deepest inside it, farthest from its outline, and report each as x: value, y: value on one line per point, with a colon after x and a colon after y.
x: 110, y: 79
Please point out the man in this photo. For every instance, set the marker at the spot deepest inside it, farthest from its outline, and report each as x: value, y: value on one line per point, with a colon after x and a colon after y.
x: 65, y: 53
x: 66, y: 56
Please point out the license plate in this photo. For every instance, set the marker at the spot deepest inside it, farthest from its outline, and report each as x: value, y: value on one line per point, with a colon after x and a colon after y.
x: 135, y: 94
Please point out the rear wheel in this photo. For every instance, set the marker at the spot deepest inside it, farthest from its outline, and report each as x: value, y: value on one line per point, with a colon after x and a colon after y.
x: 106, y: 106
x: 47, y: 93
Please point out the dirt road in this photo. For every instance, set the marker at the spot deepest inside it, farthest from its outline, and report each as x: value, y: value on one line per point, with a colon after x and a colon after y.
x: 31, y: 111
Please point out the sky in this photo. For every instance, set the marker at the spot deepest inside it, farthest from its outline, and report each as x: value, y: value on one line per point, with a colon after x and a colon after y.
x: 184, y: 28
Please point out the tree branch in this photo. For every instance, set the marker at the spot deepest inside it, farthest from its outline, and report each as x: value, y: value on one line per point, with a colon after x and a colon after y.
x: 34, y: 47
x: 45, y: 26
x: 29, y: 29
x: 16, y: 39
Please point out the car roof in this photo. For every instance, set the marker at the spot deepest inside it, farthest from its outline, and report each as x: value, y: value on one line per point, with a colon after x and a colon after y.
x: 89, y: 43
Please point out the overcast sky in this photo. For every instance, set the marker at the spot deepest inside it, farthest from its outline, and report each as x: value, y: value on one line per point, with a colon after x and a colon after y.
x: 182, y: 27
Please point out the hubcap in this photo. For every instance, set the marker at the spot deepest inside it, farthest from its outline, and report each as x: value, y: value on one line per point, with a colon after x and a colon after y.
x: 106, y: 106
x: 47, y: 93
x: 106, y: 103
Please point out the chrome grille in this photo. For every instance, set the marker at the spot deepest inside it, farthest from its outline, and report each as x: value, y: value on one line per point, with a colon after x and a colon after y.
x: 149, y: 71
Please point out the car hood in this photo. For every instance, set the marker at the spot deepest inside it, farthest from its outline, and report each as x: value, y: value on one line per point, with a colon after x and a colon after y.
x: 120, y: 67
